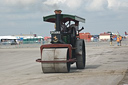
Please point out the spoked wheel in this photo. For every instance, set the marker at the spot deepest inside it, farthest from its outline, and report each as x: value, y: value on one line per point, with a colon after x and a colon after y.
x: 55, y: 54
x: 80, y: 54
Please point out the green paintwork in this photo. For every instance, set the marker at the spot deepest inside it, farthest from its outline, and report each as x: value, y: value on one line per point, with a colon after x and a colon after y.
x: 64, y: 18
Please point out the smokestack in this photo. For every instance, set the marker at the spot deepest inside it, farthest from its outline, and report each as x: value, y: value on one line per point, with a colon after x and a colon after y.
x: 57, y: 11
x: 58, y: 19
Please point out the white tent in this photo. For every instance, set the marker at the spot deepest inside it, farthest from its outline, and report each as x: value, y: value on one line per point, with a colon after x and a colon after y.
x: 7, y: 37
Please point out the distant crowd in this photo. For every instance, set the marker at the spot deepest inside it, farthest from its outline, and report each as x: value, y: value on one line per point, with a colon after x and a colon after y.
x: 118, y: 40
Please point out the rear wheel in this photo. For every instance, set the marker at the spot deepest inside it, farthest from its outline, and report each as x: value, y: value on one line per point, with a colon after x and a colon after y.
x: 81, y: 55
x: 68, y: 63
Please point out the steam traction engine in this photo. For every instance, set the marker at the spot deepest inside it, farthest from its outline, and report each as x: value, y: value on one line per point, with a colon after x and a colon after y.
x: 66, y: 48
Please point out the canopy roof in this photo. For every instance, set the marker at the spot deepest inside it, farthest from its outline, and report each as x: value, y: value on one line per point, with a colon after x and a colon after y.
x: 64, y: 18
x: 8, y: 37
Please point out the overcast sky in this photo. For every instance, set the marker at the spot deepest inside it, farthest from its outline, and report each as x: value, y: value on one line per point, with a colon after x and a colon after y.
x: 26, y: 16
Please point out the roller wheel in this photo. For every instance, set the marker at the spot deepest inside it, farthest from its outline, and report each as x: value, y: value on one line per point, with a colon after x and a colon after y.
x: 55, y: 54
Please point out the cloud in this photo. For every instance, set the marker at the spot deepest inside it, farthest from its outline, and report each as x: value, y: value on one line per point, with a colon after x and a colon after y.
x: 17, y: 2
x: 74, y: 4
x: 101, y: 5
x: 48, y: 2
x: 18, y: 6
x: 70, y: 4
x: 95, y: 5
x: 27, y: 6
x: 117, y: 4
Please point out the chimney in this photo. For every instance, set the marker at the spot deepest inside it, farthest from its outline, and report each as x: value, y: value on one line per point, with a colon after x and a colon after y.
x: 58, y: 19
x: 57, y: 11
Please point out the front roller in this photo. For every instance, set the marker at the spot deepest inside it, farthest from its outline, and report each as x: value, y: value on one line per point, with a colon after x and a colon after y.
x: 54, y: 60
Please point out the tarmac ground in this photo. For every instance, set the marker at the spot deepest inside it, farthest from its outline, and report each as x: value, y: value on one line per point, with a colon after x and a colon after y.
x: 105, y: 65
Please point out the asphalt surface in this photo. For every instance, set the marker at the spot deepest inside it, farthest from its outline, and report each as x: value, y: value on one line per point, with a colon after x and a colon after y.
x: 105, y: 65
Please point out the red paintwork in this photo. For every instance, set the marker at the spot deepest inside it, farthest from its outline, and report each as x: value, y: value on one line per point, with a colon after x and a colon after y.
x: 70, y: 60
x: 57, y: 46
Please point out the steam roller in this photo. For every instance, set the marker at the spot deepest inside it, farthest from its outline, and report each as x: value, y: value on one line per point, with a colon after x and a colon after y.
x: 66, y: 46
